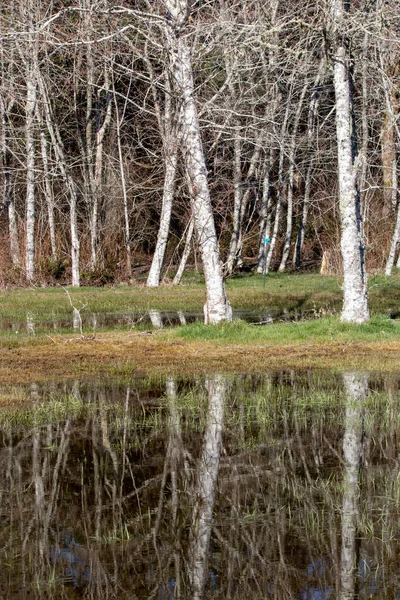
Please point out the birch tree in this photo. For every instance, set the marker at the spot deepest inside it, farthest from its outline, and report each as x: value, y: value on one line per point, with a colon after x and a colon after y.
x: 28, y: 53
x: 168, y: 129
x: 355, y: 291
x: 217, y: 307
x: 6, y: 105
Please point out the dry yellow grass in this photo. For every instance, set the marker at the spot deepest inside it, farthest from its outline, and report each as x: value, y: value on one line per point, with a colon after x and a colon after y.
x: 68, y: 357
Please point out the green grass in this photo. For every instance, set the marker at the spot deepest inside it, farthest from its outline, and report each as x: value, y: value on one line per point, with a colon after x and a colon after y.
x: 293, y: 291
x: 323, y: 329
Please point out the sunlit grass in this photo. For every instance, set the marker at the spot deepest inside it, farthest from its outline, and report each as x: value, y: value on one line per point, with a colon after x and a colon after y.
x: 327, y: 329
x: 300, y: 291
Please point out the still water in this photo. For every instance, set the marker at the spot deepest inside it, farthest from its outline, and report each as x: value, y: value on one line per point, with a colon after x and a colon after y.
x: 279, y: 485
x: 93, y: 322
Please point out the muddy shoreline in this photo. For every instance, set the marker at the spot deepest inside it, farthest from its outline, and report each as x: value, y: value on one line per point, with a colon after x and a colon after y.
x: 157, y: 353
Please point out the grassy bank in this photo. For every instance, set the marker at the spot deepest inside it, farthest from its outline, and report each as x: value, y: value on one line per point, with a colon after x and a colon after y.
x: 236, y: 347
x: 303, y: 292
x: 322, y: 342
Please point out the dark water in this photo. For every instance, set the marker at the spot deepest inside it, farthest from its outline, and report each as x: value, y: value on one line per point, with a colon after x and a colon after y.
x: 91, y: 322
x: 280, y: 485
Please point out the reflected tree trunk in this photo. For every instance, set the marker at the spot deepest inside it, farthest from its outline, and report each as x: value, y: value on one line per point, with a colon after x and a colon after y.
x: 155, y: 318
x: 356, y: 387
x: 206, y: 487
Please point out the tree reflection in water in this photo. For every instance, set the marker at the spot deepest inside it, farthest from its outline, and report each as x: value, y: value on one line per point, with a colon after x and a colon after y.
x: 356, y: 388
x: 125, y: 489
x: 206, y: 488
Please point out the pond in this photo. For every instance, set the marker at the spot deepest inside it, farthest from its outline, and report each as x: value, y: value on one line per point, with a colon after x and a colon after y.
x: 153, y: 318
x: 276, y: 485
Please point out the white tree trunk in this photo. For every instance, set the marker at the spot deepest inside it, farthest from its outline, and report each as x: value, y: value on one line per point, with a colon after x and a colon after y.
x: 281, y: 184
x: 266, y: 215
x: 396, y: 234
x: 292, y: 153
x: 58, y: 149
x: 355, y: 291
x: 30, y: 171
x: 237, y: 201
x: 170, y: 161
x: 217, y: 307
x: 8, y: 197
x: 98, y: 171
x: 206, y: 487
x: 246, y: 196
x: 48, y: 192
x: 312, y: 114
x: 185, y: 253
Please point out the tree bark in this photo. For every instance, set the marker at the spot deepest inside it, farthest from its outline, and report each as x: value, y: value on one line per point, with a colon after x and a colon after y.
x: 58, y: 149
x: 48, y: 192
x: 185, y: 253
x: 30, y: 170
x: 170, y: 161
x: 127, y: 236
x: 217, y: 307
x: 355, y: 292
x: 292, y: 153
x: 266, y: 214
x: 97, y: 175
x: 281, y: 182
x: 312, y: 114
x: 8, y: 196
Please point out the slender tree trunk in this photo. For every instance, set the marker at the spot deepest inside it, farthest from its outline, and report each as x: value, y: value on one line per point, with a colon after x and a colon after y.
x: 13, y: 230
x: 292, y: 153
x: 48, y: 192
x: 281, y: 183
x: 185, y: 253
x: 246, y: 196
x: 389, y: 165
x: 58, y: 149
x: 217, y: 307
x: 98, y: 171
x: 8, y: 196
x: 237, y: 201
x: 170, y: 161
x: 312, y: 114
x: 123, y: 185
x: 388, y: 141
x: 355, y: 291
x: 396, y: 234
x: 266, y: 214
x: 30, y: 170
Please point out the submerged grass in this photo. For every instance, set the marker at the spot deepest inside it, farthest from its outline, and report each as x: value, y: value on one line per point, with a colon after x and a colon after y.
x: 53, y: 409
